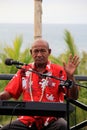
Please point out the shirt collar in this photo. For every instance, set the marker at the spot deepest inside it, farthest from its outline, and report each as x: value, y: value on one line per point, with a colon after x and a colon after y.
x: 48, y: 66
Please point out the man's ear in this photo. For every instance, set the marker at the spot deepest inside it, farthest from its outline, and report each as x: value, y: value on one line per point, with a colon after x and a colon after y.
x: 49, y: 51
x: 31, y: 51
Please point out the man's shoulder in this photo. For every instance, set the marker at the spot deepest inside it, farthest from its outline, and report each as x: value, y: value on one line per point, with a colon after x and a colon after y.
x: 56, y: 66
x: 58, y: 69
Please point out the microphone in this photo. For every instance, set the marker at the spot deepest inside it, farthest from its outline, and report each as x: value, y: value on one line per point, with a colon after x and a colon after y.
x: 9, y: 62
x: 67, y: 83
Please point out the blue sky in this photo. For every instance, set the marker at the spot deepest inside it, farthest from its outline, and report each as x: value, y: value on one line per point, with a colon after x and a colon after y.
x: 54, y: 11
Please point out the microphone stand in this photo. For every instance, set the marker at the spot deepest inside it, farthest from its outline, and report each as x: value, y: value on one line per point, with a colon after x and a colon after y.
x: 67, y: 83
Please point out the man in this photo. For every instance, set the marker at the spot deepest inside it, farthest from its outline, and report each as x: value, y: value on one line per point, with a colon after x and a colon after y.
x: 35, y: 87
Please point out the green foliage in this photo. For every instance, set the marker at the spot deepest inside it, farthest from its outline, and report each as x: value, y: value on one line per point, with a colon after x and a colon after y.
x: 79, y: 115
x: 83, y: 64
x: 15, y: 53
x: 71, y: 49
x: 70, y: 43
x: 81, y: 70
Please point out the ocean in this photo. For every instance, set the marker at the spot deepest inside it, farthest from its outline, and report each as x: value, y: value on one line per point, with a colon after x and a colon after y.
x: 53, y: 33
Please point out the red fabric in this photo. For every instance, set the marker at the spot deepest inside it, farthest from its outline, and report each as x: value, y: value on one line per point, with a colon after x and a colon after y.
x: 53, y: 93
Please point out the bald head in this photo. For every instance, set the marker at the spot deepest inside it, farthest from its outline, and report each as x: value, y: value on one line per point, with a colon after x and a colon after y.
x: 40, y: 42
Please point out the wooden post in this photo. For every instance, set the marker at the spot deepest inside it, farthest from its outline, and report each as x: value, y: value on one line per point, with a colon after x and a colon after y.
x: 37, y: 19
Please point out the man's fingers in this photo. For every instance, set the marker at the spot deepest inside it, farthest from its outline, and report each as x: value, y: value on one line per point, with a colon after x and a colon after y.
x: 75, y: 60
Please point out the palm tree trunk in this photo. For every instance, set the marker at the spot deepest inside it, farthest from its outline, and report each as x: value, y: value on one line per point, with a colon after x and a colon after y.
x: 37, y: 19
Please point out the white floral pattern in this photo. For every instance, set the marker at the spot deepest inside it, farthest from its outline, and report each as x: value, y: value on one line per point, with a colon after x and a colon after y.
x: 50, y: 97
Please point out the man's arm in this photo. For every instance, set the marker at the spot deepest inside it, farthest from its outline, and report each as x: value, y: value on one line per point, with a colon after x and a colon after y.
x: 74, y: 90
x: 70, y: 69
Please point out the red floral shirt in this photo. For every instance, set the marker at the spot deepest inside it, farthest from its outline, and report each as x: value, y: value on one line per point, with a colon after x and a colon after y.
x: 34, y: 87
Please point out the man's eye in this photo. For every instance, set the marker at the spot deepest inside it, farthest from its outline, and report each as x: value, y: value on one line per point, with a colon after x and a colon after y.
x: 36, y: 51
x: 43, y: 50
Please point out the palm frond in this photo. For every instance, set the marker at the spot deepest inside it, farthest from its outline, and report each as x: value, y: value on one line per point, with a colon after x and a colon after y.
x: 70, y: 43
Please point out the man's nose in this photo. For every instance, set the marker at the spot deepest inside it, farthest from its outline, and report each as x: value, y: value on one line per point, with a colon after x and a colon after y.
x: 39, y: 53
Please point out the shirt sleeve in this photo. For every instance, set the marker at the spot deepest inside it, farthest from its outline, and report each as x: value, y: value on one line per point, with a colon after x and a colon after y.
x: 14, y: 87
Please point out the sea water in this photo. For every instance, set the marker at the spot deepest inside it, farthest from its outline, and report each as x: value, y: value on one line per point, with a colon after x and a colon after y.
x: 53, y: 33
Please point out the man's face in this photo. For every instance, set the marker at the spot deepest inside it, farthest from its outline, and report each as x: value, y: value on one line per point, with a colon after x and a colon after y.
x: 40, y: 52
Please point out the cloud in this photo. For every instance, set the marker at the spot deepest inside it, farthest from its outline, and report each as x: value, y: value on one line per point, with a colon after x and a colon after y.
x: 54, y: 11
x: 65, y: 11
x: 16, y: 11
